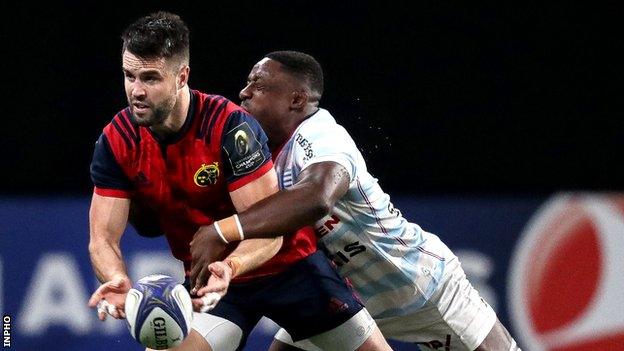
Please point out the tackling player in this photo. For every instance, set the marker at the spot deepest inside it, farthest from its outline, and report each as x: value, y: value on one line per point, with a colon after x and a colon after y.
x: 410, y: 281
x: 189, y: 158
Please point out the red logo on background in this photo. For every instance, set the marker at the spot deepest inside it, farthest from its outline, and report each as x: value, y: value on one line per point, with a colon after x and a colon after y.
x: 566, y: 287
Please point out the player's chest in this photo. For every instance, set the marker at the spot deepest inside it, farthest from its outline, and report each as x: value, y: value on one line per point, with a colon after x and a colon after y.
x: 189, y: 169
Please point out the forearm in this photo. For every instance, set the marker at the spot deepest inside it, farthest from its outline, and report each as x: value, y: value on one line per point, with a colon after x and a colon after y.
x: 107, y: 221
x: 106, y: 260
x: 251, y: 254
x: 318, y: 188
x: 283, y: 213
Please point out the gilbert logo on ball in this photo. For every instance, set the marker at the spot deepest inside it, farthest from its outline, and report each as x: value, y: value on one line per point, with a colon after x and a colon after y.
x: 566, y: 289
x: 158, y: 312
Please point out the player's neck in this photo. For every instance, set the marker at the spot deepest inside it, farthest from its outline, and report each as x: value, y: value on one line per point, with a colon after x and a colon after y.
x: 279, y: 133
x: 174, y: 122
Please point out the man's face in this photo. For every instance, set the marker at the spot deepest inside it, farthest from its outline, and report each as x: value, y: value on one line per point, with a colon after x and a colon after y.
x: 268, y: 93
x: 150, y: 88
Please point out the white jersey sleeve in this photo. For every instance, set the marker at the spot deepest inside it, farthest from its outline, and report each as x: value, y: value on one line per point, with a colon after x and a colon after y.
x: 316, y: 141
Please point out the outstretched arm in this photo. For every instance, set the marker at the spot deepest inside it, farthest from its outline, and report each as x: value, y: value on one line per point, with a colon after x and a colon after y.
x: 318, y: 188
x: 248, y: 254
x: 107, y: 221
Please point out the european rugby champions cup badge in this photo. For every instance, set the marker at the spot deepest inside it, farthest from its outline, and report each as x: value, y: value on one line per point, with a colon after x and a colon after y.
x: 243, y: 149
x: 242, y: 143
x: 207, y: 174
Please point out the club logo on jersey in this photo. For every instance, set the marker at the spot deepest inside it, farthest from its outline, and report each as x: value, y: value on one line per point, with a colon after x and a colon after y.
x: 306, y: 145
x: 242, y: 145
x: 565, y: 287
x: 244, y: 150
x: 207, y: 174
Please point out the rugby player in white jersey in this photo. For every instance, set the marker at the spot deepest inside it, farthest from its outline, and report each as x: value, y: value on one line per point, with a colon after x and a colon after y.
x: 411, y: 282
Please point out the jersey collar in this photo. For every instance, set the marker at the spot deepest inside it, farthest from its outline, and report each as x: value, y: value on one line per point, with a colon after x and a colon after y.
x: 188, y: 122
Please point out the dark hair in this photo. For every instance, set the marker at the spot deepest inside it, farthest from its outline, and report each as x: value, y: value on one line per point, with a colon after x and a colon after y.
x: 302, y: 65
x: 160, y: 34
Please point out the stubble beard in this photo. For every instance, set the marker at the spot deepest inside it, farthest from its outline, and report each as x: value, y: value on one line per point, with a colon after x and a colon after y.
x: 157, y: 117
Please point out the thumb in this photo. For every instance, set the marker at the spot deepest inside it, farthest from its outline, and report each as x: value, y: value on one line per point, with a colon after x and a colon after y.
x: 97, y: 295
x: 216, y: 269
x: 95, y: 298
x: 117, y: 281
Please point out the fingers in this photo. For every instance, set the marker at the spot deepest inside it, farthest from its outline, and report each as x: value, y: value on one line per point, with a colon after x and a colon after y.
x: 97, y: 295
x: 197, y: 304
x: 209, y: 301
x: 195, y: 269
x: 220, y: 289
x: 101, y: 312
x: 108, y: 300
x: 95, y: 298
x: 106, y: 288
x: 106, y: 308
x: 202, y: 278
x: 217, y: 269
x: 219, y: 280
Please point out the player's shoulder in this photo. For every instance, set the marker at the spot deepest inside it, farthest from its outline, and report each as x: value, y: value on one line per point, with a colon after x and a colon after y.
x: 217, y: 111
x: 121, y: 129
x: 214, y: 104
x: 322, y: 126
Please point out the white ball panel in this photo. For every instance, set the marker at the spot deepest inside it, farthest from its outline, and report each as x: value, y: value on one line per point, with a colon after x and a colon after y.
x: 160, y: 331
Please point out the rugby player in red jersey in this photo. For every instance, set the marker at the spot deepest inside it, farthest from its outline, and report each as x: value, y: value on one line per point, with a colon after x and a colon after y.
x: 190, y: 158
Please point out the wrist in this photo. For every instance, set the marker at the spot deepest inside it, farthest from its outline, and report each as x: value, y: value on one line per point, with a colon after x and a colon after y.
x: 119, y: 276
x: 235, y: 263
x: 229, y: 229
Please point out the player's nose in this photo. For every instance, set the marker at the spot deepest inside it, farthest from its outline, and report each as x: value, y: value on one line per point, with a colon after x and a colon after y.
x: 138, y: 90
x: 245, y: 93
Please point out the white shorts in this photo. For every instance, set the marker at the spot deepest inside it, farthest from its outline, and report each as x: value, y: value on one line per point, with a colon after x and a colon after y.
x: 221, y: 334
x: 348, y: 336
x: 455, y: 316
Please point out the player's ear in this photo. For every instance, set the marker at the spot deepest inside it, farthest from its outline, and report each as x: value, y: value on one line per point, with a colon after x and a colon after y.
x: 183, y: 76
x: 299, y: 99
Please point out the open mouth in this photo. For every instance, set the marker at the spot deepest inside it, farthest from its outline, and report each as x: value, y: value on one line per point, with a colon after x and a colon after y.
x: 140, y: 107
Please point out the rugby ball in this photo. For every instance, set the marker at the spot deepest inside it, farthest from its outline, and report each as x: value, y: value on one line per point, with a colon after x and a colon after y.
x: 158, y: 312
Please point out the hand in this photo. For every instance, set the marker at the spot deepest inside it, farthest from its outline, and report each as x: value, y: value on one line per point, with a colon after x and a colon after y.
x: 206, y: 247
x: 215, y: 289
x: 110, y: 297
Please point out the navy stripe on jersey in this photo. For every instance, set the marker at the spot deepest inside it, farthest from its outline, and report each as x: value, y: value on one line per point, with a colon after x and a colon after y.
x: 123, y: 134
x: 214, y: 100
x: 132, y: 129
x: 105, y: 171
x: 214, y: 118
x: 244, y: 146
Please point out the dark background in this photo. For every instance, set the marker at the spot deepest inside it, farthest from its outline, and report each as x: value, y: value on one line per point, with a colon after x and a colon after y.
x: 441, y: 97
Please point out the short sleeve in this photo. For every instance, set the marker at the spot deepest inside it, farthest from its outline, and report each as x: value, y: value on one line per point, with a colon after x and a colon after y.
x: 332, y: 144
x: 245, y: 150
x: 106, y: 174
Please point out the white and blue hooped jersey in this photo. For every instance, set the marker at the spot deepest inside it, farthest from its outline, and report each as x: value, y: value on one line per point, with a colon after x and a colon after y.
x: 393, y: 264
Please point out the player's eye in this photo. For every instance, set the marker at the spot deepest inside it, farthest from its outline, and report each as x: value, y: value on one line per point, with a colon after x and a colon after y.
x: 150, y: 79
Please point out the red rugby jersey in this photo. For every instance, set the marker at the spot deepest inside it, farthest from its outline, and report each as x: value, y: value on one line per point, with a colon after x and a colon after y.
x: 186, y: 179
